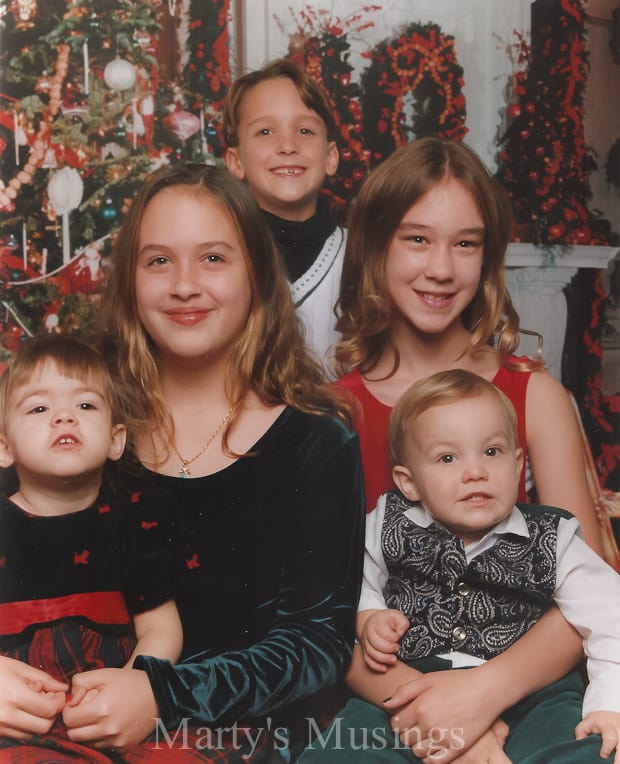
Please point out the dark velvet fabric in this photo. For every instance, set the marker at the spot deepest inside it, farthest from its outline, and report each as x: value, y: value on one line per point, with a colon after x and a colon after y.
x: 268, y: 570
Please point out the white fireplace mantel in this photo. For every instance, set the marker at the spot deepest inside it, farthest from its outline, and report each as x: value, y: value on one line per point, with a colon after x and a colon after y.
x: 535, y: 279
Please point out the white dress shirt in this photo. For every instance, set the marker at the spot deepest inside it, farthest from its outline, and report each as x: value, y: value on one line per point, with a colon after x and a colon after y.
x: 587, y: 593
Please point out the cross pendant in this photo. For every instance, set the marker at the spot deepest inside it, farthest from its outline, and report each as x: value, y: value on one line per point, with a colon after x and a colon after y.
x: 184, y: 471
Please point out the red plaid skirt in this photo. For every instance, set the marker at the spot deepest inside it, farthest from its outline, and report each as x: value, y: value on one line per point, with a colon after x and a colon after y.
x: 55, y: 748
x: 67, y: 648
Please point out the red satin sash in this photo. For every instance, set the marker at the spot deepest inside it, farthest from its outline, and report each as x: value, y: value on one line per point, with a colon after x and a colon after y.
x: 99, y: 607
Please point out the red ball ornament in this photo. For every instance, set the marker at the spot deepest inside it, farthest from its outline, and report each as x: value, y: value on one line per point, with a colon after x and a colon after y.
x: 514, y: 110
x: 556, y: 230
x: 12, y: 337
x: 583, y: 235
x: 525, y: 134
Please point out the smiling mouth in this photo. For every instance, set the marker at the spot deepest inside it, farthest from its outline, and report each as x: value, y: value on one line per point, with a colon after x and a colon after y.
x: 476, y: 497
x: 434, y: 298
x: 188, y: 318
x: 287, y: 171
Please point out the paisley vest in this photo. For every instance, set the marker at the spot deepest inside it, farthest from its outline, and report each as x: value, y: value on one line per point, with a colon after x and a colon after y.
x: 479, y: 608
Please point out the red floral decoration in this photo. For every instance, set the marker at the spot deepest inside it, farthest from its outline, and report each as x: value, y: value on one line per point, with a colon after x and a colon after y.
x: 544, y: 162
x: 207, y: 72
x: 322, y: 43
x: 412, y: 88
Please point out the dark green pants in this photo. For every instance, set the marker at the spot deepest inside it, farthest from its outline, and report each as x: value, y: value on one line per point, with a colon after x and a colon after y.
x: 542, y: 731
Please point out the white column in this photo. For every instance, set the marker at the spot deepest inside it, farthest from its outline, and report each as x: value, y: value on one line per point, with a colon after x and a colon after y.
x: 535, y: 279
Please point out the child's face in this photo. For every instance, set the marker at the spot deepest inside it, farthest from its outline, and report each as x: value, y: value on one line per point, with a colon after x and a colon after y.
x: 59, y: 427
x: 463, y: 465
x: 434, y: 260
x: 193, y: 288
x: 282, y: 150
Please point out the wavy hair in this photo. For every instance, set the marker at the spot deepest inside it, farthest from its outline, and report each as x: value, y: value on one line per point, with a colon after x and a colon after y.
x: 364, y: 307
x: 269, y: 357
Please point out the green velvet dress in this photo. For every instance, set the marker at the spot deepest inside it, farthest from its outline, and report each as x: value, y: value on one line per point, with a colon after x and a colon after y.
x: 268, y: 562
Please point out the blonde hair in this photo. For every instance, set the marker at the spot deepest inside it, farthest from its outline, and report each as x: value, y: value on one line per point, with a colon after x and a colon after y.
x: 310, y: 92
x: 73, y: 358
x: 269, y: 358
x: 365, y: 307
x: 439, y: 389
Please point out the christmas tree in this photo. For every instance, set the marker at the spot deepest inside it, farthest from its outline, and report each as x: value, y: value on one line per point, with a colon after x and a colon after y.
x: 544, y: 162
x: 93, y: 99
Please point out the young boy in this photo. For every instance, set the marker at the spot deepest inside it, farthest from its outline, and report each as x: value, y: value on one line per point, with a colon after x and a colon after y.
x: 278, y: 125
x: 84, y: 580
x: 455, y: 572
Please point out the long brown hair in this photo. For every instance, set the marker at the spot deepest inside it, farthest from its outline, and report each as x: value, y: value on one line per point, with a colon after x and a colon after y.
x: 364, y: 306
x: 269, y: 358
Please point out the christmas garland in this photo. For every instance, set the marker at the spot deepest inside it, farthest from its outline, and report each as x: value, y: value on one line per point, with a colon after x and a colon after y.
x: 418, y: 67
x: 322, y: 43
x: 412, y: 88
x: 544, y: 162
x: 207, y: 72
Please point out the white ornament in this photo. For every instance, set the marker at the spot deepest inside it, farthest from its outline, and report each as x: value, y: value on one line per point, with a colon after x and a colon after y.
x: 65, y: 191
x: 119, y: 74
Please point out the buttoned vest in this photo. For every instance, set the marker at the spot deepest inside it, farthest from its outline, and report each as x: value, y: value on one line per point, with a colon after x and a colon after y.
x: 479, y: 608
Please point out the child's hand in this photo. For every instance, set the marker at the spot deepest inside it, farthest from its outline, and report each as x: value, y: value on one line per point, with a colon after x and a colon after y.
x: 30, y: 699
x: 79, y: 693
x: 457, y: 701
x: 380, y: 636
x: 117, y: 710
x: 607, y: 725
x: 489, y: 749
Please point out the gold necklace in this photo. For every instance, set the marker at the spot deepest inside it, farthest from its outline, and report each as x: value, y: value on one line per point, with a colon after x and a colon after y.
x: 184, y: 471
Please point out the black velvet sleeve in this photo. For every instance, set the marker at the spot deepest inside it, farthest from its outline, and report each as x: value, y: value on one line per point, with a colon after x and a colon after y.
x: 308, y: 646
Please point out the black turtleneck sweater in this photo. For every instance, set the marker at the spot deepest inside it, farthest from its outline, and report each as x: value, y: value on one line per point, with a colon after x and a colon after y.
x: 301, y: 242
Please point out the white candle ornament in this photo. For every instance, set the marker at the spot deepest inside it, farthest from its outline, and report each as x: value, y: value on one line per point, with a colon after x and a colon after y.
x: 86, y: 68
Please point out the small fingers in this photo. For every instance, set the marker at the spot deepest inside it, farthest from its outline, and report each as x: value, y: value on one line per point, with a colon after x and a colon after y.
x: 609, y: 743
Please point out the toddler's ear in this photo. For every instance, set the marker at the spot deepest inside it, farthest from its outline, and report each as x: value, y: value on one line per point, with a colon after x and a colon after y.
x: 405, y: 482
x: 117, y: 442
x: 6, y: 453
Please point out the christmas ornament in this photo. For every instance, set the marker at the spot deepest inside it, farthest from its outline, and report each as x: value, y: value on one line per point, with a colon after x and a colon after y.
x: 183, y: 124
x: 23, y: 12
x: 119, y: 74
x: 142, y: 37
x: 109, y: 211
x: 65, y: 191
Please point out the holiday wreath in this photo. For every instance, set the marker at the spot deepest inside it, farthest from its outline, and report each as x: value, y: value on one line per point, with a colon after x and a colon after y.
x: 412, y: 88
